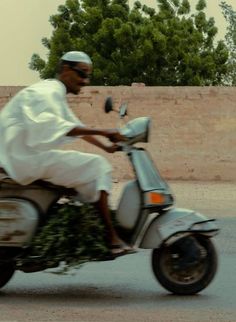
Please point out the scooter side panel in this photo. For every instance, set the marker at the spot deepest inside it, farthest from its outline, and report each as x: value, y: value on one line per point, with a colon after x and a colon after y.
x: 18, y: 222
x: 129, y: 205
x: 173, y: 222
x: 42, y: 197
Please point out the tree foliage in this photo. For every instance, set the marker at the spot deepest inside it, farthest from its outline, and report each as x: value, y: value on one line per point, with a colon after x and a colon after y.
x: 230, y: 16
x: 167, y: 47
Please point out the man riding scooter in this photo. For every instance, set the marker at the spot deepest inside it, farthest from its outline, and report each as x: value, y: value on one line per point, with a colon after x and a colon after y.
x: 36, y: 121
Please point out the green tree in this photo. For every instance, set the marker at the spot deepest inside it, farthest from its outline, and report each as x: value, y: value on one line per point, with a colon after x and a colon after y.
x: 167, y: 47
x: 230, y: 16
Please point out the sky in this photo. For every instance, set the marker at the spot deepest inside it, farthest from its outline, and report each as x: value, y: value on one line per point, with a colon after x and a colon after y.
x: 23, y: 24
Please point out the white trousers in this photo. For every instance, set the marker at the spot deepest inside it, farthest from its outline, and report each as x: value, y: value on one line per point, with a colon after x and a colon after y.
x: 87, y: 173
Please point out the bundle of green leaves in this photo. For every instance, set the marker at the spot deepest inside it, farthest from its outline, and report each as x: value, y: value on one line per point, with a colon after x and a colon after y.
x: 72, y: 234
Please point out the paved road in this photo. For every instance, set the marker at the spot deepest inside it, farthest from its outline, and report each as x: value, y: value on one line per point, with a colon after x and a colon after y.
x: 125, y: 289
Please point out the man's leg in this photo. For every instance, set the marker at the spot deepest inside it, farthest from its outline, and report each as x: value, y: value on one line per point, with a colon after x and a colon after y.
x: 80, y: 171
x: 116, y: 244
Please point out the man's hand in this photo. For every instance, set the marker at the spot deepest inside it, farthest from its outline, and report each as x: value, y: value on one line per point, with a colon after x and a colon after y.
x: 114, y: 135
x: 112, y: 148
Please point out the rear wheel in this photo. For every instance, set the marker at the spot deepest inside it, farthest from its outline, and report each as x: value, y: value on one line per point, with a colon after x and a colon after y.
x: 188, y: 280
x: 7, y: 270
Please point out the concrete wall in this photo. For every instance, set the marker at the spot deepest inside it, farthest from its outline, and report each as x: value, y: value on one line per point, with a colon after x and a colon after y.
x: 193, y: 134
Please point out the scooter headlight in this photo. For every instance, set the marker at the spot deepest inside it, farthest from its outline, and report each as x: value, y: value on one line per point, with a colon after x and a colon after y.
x: 137, y: 130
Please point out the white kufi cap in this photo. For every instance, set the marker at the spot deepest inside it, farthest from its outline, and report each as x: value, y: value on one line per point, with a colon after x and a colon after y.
x: 77, y: 56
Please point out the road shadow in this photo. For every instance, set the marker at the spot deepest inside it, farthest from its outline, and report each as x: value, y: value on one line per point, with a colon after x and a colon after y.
x: 93, y: 295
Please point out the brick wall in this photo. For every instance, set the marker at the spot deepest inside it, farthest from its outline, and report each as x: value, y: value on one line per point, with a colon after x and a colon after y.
x: 193, y: 128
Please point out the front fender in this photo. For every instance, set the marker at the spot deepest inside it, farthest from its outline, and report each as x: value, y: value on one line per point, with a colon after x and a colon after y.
x: 176, y: 222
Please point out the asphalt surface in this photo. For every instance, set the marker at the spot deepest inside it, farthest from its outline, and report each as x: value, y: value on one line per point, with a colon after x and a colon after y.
x: 125, y: 289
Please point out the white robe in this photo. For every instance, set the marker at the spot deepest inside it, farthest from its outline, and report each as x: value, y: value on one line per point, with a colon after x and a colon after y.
x: 33, y: 124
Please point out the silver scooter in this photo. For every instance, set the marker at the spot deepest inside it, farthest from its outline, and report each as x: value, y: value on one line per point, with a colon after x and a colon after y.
x: 184, y: 259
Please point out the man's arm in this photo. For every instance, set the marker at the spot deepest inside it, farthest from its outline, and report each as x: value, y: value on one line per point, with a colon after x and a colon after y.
x: 92, y: 140
x: 81, y: 131
x: 112, y: 134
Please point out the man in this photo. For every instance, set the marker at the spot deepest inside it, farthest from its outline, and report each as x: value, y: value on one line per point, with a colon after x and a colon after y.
x: 38, y: 119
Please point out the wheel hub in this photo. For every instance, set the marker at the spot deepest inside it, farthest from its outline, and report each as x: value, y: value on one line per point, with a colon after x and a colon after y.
x: 180, y: 271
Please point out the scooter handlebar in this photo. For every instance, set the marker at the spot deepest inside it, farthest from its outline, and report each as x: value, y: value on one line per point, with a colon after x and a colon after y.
x: 119, y: 148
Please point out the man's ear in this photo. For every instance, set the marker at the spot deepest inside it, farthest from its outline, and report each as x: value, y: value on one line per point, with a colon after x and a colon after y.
x: 65, y: 68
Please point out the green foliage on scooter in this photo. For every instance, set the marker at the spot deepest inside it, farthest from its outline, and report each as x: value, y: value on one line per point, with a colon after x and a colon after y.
x: 73, y: 234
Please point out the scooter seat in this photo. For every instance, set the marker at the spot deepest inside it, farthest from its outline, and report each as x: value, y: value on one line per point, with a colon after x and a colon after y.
x: 6, y: 180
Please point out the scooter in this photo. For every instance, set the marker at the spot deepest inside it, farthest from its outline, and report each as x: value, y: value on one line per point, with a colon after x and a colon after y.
x: 183, y: 259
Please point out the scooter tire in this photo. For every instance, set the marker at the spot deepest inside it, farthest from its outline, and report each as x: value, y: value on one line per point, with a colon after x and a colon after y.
x: 7, y: 269
x: 187, y: 281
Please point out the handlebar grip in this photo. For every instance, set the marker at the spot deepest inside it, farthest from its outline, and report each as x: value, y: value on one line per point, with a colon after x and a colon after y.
x: 119, y: 148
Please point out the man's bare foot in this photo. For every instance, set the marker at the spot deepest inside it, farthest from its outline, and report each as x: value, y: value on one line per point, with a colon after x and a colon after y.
x: 121, y: 249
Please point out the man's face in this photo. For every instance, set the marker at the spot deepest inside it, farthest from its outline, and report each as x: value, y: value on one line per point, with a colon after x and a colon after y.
x: 76, y: 77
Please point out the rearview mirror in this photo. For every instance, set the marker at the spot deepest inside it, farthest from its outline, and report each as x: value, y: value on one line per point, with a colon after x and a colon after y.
x: 123, y: 110
x: 108, y: 106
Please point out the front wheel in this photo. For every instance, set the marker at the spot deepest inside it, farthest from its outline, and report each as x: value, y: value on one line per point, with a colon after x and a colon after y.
x: 188, y: 280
